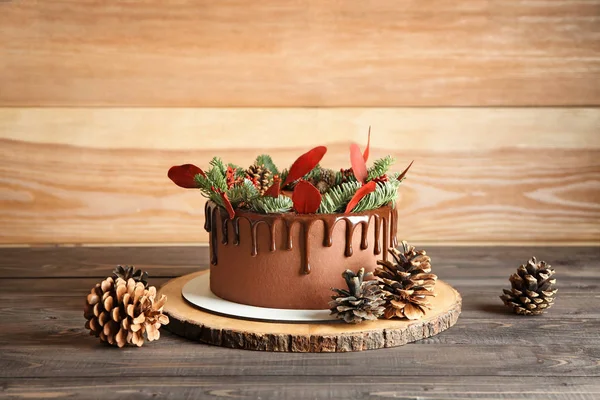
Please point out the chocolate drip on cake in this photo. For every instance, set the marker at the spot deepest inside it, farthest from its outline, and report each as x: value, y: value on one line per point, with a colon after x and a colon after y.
x: 384, y: 218
x: 210, y: 225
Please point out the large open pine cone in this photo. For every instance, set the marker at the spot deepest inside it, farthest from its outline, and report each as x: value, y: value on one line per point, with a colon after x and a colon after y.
x: 260, y: 176
x: 120, y: 312
x: 532, y: 291
x: 362, y: 301
x: 407, y: 282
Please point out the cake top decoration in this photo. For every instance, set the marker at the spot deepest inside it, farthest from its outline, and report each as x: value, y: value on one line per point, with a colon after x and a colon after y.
x: 304, y: 188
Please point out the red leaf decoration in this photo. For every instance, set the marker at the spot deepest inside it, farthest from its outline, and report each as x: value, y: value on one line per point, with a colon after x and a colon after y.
x: 306, y: 198
x: 183, y: 175
x: 401, y: 176
x: 304, y: 164
x: 275, y: 188
x: 359, y: 167
x: 360, y: 193
x: 228, y: 205
x: 366, y: 153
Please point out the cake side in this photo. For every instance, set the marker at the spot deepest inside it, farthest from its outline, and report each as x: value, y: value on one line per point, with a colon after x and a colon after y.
x: 292, y: 260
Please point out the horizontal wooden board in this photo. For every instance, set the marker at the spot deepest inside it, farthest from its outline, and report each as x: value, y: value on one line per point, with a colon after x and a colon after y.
x: 484, y: 319
x: 490, y: 353
x: 225, y: 131
x: 484, y: 267
x: 304, y: 53
x: 480, y: 175
x: 300, y: 388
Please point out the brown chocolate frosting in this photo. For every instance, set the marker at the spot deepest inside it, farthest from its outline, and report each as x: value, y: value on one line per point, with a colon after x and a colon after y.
x: 292, y: 260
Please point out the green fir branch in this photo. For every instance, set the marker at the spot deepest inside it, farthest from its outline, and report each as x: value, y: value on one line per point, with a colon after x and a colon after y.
x: 380, y: 167
x: 217, y: 178
x: 244, y: 192
x: 314, y: 174
x: 336, y: 199
x: 339, y: 177
x: 217, y: 163
x: 283, y: 174
x: 385, y: 193
x: 271, y: 205
x: 267, y: 161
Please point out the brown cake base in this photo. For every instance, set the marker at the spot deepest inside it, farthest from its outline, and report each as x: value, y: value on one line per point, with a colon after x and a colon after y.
x: 203, y: 326
x: 293, y: 260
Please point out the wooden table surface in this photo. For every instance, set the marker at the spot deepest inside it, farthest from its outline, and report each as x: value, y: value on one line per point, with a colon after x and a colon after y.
x: 45, y: 352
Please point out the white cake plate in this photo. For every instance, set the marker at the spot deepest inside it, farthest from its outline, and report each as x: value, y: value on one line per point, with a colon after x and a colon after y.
x: 197, y: 291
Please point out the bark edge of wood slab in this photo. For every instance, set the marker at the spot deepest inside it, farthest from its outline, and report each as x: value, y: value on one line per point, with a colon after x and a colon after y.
x: 196, y: 324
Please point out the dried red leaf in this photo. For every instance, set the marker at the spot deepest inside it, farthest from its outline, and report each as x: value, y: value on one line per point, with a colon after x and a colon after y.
x: 359, y: 167
x: 360, y: 193
x: 304, y: 164
x: 183, y: 175
x: 366, y: 152
x: 275, y: 188
x: 401, y: 176
x: 227, y: 203
x: 306, y: 198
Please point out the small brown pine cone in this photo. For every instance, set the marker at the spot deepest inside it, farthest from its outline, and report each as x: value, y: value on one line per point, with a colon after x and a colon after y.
x: 407, y: 282
x: 119, y: 312
x: 532, y: 288
x: 328, y: 176
x: 261, y: 177
x: 324, y: 180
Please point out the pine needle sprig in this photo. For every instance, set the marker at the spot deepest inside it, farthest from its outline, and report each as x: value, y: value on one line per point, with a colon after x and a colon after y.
x: 380, y: 167
x: 217, y: 163
x: 244, y: 192
x: 339, y: 178
x: 269, y: 205
x: 267, y: 161
x: 314, y: 174
x: 217, y: 178
x: 385, y: 193
x: 338, y: 197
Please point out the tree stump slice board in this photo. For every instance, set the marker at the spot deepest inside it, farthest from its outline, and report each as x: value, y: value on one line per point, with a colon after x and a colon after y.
x: 199, y: 325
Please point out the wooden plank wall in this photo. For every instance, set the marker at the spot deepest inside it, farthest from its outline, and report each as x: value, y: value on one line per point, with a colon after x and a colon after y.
x: 98, y: 99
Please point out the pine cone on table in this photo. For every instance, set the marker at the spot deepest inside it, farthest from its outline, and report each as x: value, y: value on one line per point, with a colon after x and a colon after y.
x: 129, y: 271
x: 120, y: 312
x: 532, y: 288
x: 362, y: 301
x: 407, y: 282
x: 260, y: 176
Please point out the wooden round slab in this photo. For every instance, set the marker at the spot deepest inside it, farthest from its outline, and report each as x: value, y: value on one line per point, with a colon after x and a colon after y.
x: 203, y: 326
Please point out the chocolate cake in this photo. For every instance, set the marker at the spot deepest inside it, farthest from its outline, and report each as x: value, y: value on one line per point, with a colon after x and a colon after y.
x: 281, y: 239
x: 293, y: 260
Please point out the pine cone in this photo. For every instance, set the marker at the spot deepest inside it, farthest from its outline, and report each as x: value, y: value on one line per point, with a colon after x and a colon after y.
x: 261, y: 177
x: 533, y: 290
x: 325, y: 181
x: 120, y: 312
x: 362, y: 301
x: 129, y: 271
x: 407, y: 282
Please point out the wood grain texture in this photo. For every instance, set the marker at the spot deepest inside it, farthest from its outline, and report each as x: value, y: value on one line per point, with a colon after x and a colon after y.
x: 306, y: 53
x: 221, y: 330
x: 301, y: 388
x: 480, y: 175
x: 490, y: 353
x: 484, y: 266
